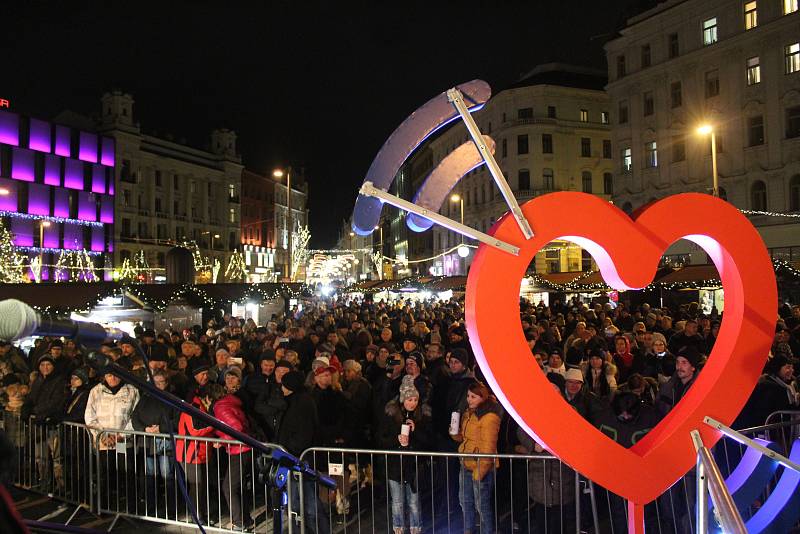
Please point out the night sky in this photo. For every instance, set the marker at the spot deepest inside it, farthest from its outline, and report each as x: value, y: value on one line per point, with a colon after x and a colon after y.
x: 316, y: 88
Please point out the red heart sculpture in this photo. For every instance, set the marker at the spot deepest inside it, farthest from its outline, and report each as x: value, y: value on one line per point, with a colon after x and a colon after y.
x: 643, y: 472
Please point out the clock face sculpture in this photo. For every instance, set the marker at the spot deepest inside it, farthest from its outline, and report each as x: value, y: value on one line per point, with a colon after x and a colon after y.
x: 627, y: 251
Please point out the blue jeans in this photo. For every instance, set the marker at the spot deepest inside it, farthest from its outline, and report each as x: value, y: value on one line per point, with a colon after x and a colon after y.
x: 402, y: 491
x: 476, y: 494
x: 316, y: 515
x: 163, y: 465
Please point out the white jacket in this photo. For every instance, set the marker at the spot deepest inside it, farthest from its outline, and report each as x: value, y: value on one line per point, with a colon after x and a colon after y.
x: 104, y: 409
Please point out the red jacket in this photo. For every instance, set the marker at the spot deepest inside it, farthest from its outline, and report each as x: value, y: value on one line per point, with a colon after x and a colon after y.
x: 229, y: 410
x: 192, y: 451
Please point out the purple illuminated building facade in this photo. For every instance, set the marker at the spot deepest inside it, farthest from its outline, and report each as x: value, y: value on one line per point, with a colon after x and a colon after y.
x: 56, y: 190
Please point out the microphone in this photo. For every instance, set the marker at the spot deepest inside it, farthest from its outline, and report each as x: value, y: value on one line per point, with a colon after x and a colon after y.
x: 18, y: 320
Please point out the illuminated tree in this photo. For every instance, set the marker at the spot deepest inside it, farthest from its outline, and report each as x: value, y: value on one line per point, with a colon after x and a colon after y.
x: 300, y: 250
x: 12, y: 263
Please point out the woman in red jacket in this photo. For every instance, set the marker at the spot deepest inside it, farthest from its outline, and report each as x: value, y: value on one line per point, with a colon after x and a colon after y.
x: 229, y: 410
x: 192, y: 453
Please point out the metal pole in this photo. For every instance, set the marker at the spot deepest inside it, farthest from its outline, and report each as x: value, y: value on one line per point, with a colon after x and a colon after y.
x: 463, y: 260
x: 367, y: 188
x: 714, y: 163
x: 457, y: 99
x: 289, y: 220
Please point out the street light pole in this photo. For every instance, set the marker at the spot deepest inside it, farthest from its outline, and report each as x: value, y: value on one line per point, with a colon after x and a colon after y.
x: 706, y: 129
x: 458, y: 198
x: 42, y: 225
x: 380, y: 250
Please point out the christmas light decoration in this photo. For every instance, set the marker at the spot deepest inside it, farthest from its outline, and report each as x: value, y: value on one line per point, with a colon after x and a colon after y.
x: 36, y: 269
x: 75, y: 266
x: 300, y: 249
x: 12, y: 264
x: 215, y: 271
x: 237, y: 268
x: 30, y: 217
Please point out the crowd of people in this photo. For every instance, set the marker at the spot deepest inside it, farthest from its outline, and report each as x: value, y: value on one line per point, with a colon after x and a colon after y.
x: 389, y: 376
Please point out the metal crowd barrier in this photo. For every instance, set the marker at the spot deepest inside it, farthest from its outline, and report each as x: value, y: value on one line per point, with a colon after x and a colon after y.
x: 133, y: 475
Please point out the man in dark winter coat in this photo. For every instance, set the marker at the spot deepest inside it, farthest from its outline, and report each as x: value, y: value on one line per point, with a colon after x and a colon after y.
x: 270, y: 404
x: 686, y: 361
x: 689, y: 337
x: 358, y: 394
x: 296, y: 434
x: 45, y: 406
x: 774, y: 392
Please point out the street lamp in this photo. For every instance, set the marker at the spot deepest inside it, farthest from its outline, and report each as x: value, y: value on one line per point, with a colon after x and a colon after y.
x: 706, y: 129
x: 4, y: 192
x: 461, y: 249
x: 279, y: 173
x: 213, y: 237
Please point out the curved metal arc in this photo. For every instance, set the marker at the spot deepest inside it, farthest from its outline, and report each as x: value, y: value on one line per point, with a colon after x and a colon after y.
x: 426, y: 120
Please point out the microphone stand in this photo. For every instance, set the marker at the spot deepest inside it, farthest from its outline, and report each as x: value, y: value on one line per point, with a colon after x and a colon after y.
x: 275, y: 462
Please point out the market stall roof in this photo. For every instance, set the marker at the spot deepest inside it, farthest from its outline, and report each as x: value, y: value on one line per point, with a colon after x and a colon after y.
x: 692, y: 274
x: 75, y: 296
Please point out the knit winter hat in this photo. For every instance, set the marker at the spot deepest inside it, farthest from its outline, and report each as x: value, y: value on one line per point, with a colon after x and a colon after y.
x: 293, y: 381
x: 82, y: 374
x: 407, y: 389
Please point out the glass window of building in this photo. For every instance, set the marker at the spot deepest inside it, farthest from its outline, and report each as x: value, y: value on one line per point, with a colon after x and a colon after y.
x: 586, y: 181
x: 675, y: 95
x: 758, y: 196
x: 608, y: 183
x: 623, y: 112
x: 750, y: 15
x: 524, y: 180
x: 607, y: 148
x: 551, y: 112
x: 547, y: 144
x: 604, y: 117
x: 794, y: 193
x: 584, y: 115
x: 793, y: 122
x: 586, y: 147
x: 678, y: 148
x: 627, y: 159
x: 673, y: 45
x: 548, y: 179
x: 620, y: 66
x: 525, y: 113
x: 651, y: 154
x: 522, y: 144
x: 712, y: 83
x: 710, y: 31
x: 645, y: 56
x: 789, y: 6
x: 755, y: 131
x: 504, y: 148
x: 792, y: 57
x: 753, y: 71
x: 648, y: 106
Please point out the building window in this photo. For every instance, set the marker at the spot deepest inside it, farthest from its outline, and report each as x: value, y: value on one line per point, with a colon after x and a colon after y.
x: 504, y: 147
x: 789, y: 6
x: 232, y: 215
x: 231, y: 191
x: 758, y: 196
x: 651, y: 154
x: 675, y: 94
x: 126, y: 198
x: 750, y: 15
x: 794, y: 193
x: 584, y: 115
x: 604, y: 117
x: 678, y: 148
x: 586, y: 147
x: 608, y: 184
x: 673, y: 45
x: 158, y: 178
x: 753, y: 71
x: 793, y: 122
x: 158, y: 205
x: 551, y: 112
x: 192, y: 187
x: 710, y: 31
x: 525, y: 113
x: 712, y: 83
x: 792, y: 57
x: 586, y: 182
x: 522, y: 144
x: 627, y: 159
x: 620, y: 66
x: 623, y: 112
x: 723, y: 194
x: 607, y: 148
x: 523, y: 180
x: 755, y: 131
x: 647, y: 103
x: 645, y: 56
x: 547, y: 144
x: 548, y: 180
